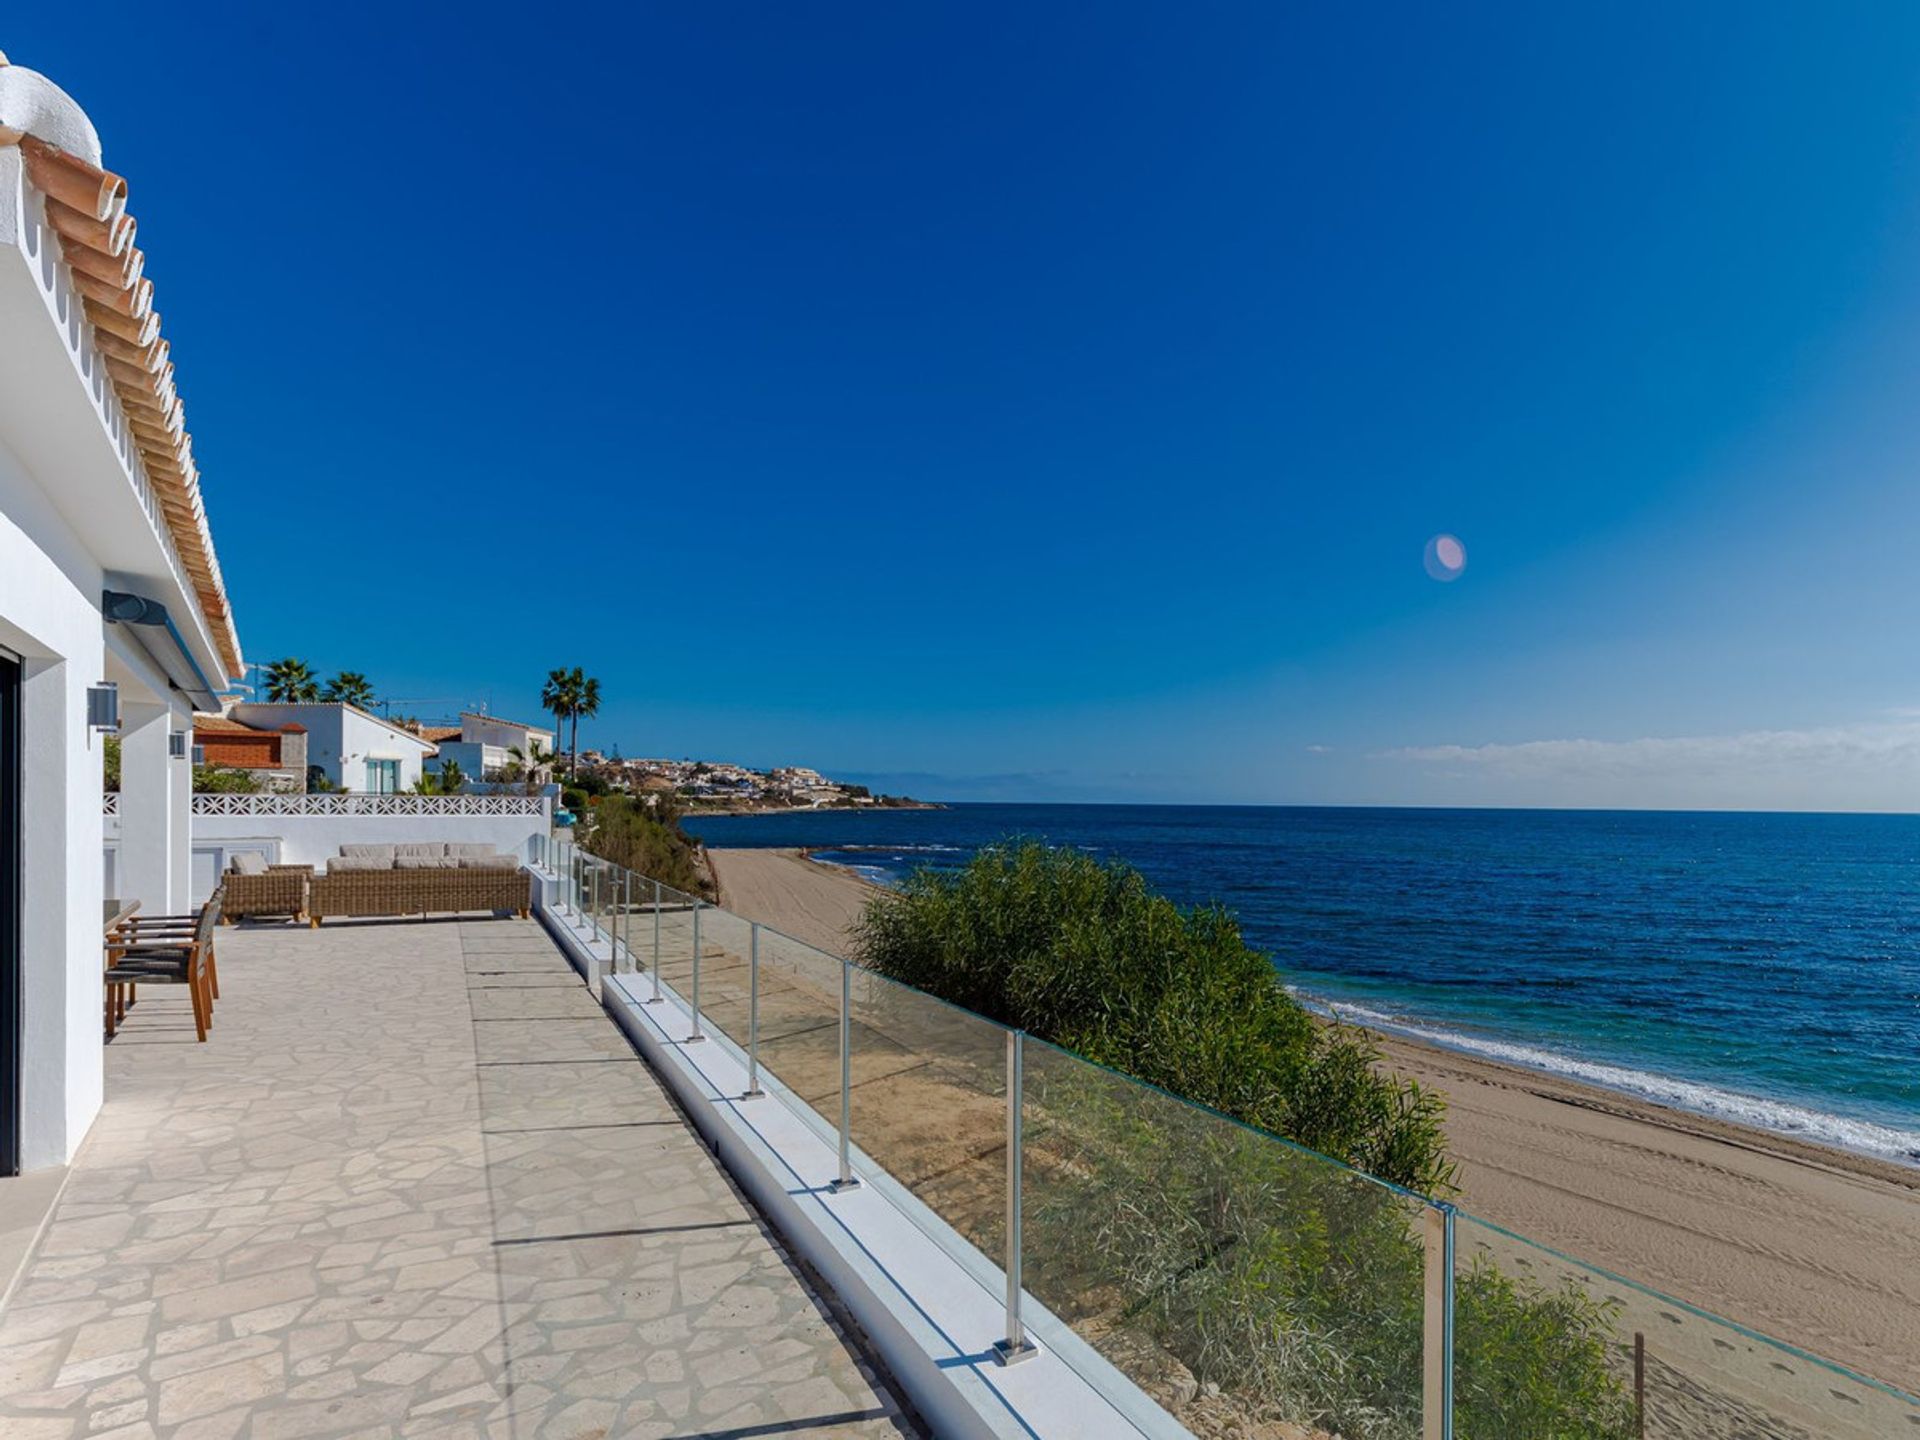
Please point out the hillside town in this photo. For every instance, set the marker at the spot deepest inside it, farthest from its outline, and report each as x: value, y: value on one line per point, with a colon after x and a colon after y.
x: 722, y: 786
x: 335, y: 745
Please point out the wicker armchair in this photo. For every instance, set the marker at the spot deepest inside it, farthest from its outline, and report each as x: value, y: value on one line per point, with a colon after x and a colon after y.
x: 281, y: 891
x: 419, y: 892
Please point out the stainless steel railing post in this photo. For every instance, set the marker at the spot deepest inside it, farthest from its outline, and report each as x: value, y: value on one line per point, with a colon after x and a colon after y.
x: 593, y: 903
x: 1016, y: 1346
x: 1436, y: 1370
x: 695, y: 1036
x: 753, y: 1090
x: 654, y: 999
x: 847, y: 1180
x: 626, y: 921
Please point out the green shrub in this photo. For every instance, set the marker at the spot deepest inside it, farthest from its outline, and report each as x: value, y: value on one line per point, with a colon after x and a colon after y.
x: 1085, y: 955
x: 630, y: 833
x: 218, y: 779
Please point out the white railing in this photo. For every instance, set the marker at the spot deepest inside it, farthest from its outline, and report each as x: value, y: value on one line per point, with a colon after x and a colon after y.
x: 110, y: 803
x: 395, y: 805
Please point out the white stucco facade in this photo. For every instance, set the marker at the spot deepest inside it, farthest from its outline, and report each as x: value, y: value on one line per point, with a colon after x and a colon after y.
x: 78, y: 518
x: 487, y: 744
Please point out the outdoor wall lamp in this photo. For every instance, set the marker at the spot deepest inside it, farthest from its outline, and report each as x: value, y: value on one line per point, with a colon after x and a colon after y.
x: 103, y: 706
x: 177, y: 744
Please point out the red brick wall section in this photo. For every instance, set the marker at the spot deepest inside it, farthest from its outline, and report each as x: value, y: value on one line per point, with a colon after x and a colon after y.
x: 239, y: 752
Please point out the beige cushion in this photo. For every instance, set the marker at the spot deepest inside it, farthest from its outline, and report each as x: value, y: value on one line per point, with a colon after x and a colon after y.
x: 358, y: 862
x: 424, y: 862
x: 382, y: 853
x: 430, y: 848
x: 247, y: 863
x: 460, y: 849
x: 489, y: 862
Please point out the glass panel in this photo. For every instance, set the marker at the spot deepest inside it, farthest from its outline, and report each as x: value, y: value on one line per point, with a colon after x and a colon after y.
x: 800, y: 1021
x: 930, y: 1106
x: 1518, y: 1304
x: 626, y: 919
x: 1191, y: 1251
x: 676, y: 942
x: 724, y: 942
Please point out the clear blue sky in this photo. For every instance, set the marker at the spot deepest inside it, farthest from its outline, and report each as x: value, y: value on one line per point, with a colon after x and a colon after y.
x: 1056, y: 403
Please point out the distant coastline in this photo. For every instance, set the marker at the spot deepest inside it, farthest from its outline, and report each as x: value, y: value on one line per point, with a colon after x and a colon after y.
x: 703, y: 806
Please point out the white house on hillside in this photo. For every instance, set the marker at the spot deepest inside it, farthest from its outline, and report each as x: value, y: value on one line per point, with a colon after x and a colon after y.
x: 355, y: 750
x: 484, y: 743
x: 109, y: 587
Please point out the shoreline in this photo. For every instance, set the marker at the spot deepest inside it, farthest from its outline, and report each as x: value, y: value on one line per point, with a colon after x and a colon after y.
x: 1622, y: 1098
x: 1568, y: 1089
x: 1814, y: 1245
x: 695, y: 811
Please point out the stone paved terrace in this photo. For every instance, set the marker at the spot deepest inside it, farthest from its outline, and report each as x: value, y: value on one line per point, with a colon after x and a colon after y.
x: 415, y: 1184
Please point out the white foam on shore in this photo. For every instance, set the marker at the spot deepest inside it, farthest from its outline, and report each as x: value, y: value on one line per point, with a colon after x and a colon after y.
x: 1864, y: 1137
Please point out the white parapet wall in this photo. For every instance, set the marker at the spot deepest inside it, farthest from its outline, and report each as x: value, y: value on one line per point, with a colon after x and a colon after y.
x: 310, y: 829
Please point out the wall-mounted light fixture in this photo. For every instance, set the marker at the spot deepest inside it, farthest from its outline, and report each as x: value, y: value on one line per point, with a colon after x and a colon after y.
x: 177, y: 744
x: 103, y: 706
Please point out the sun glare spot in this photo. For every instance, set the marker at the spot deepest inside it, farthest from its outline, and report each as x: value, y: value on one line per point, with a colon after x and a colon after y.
x: 1446, y: 557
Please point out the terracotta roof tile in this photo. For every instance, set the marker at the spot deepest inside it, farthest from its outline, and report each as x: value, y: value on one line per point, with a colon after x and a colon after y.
x: 87, y: 209
x: 222, y: 725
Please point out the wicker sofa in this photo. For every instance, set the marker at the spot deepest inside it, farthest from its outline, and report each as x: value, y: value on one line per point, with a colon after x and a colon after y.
x: 429, y: 877
x: 255, y: 888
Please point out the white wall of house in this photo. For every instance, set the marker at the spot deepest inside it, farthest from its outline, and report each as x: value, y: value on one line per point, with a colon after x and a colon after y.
x: 50, y: 617
x: 491, y: 730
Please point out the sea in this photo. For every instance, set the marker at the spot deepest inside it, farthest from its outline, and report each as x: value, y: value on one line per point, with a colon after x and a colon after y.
x: 1760, y: 968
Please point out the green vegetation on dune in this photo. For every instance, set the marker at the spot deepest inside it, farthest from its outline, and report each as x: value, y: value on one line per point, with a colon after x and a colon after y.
x: 646, y: 839
x: 1087, y: 956
x: 1291, y: 1282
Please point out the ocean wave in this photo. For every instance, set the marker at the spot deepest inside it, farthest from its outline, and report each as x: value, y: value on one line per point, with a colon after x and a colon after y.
x: 1864, y: 1137
x: 898, y: 849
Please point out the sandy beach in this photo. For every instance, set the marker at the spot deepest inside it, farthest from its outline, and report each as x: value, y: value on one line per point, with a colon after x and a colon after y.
x: 1814, y: 1246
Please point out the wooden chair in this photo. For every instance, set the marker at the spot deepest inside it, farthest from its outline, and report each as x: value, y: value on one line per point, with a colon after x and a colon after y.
x: 146, y: 930
x: 160, y: 953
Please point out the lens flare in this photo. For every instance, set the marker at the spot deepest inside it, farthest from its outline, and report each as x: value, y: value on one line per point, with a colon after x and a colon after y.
x: 1446, y: 557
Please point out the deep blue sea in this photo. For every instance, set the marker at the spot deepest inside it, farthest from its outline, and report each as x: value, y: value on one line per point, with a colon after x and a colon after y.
x: 1763, y: 968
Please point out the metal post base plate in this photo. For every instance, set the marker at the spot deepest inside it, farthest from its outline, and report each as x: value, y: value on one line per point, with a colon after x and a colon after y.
x: 693, y: 1039
x: 852, y: 1182
x: 756, y: 1093
x: 1005, y: 1352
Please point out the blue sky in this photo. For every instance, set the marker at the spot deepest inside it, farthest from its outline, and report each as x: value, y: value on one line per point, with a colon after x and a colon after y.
x: 1056, y: 405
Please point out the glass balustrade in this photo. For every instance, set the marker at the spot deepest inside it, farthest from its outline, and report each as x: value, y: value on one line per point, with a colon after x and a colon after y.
x: 1243, y: 1282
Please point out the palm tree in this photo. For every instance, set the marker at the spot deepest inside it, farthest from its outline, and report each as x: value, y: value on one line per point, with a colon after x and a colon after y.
x: 350, y: 687
x: 447, y: 781
x: 534, y: 764
x: 291, y: 682
x: 569, y: 694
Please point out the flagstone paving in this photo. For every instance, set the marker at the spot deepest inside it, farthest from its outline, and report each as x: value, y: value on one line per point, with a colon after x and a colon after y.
x: 415, y: 1184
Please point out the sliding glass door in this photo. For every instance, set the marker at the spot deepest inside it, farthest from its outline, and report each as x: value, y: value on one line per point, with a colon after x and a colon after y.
x: 9, y: 914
